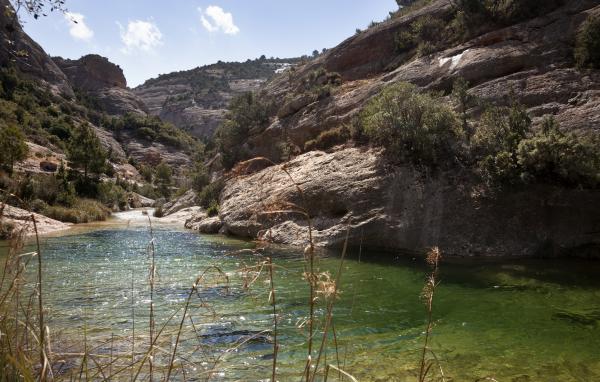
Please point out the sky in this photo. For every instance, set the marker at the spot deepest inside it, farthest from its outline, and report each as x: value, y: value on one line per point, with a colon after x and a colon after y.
x: 151, y: 37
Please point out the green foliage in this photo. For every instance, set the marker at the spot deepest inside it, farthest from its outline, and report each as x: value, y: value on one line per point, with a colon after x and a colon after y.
x: 551, y: 156
x: 412, y: 126
x: 12, y: 145
x: 425, y: 35
x: 472, y: 14
x: 152, y: 129
x: 85, y: 152
x: 112, y: 195
x: 502, y: 128
x: 200, y: 177
x: 213, y: 209
x: 211, y: 193
x: 146, y: 173
x: 247, y: 112
x: 163, y: 179
x: 587, y: 47
x: 463, y: 100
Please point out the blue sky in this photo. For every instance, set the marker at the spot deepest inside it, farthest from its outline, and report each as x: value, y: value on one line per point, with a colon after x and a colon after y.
x: 150, y: 37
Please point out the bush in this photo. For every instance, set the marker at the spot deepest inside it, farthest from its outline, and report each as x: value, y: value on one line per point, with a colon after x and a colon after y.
x: 424, y: 34
x: 247, y: 112
x: 587, y: 47
x: 551, y: 156
x: 6, y: 229
x: 412, y: 126
x: 213, y: 209
x: 328, y: 139
x: 112, y: 195
x: 84, y: 211
x: 211, y: 193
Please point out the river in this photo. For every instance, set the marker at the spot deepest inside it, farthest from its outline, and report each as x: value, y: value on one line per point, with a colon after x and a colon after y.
x: 511, y: 320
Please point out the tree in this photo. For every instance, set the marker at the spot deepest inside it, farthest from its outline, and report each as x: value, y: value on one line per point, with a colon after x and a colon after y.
x: 12, y: 145
x: 587, y: 49
x: 163, y: 178
x: 38, y: 8
x: 464, y: 100
x: 85, y: 152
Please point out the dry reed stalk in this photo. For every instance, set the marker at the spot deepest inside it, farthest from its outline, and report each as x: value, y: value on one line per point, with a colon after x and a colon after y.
x: 433, y: 259
x: 273, y: 301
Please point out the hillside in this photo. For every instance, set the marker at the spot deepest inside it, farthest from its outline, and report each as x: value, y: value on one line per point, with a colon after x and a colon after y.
x: 438, y: 187
x: 196, y: 100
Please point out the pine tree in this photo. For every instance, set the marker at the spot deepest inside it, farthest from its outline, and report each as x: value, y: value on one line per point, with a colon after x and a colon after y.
x: 86, y: 153
x: 12, y: 145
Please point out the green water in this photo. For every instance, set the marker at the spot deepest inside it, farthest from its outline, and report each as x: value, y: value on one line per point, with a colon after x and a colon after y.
x: 513, y: 320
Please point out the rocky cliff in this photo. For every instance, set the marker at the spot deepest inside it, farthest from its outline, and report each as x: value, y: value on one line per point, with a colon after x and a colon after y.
x: 386, y: 205
x: 196, y: 100
x: 104, y: 81
x: 17, y: 48
x: 92, y: 91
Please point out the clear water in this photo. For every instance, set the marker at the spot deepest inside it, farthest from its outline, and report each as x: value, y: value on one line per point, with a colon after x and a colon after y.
x: 513, y: 320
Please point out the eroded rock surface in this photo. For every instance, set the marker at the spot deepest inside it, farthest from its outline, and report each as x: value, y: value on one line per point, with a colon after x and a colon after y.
x: 398, y: 208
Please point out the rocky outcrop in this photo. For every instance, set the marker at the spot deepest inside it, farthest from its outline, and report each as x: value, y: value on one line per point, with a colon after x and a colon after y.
x: 92, y: 72
x: 531, y: 60
x: 136, y: 200
x: 399, y: 208
x: 18, y: 220
x: 103, y: 80
x: 17, y: 48
x: 186, y: 200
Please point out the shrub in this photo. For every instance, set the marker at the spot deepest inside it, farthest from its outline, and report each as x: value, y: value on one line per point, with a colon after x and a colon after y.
x: 328, y: 139
x: 200, y: 177
x: 424, y: 34
x: 587, y: 47
x: 412, y: 126
x: 112, y: 195
x: 247, y: 112
x: 552, y: 156
x: 12, y: 145
x: 84, y: 211
x: 500, y: 131
x: 159, y: 212
x: 211, y: 193
x: 213, y: 209
x: 6, y: 229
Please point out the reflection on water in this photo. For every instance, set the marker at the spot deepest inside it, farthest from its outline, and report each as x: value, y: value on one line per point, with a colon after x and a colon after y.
x: 528, y: 320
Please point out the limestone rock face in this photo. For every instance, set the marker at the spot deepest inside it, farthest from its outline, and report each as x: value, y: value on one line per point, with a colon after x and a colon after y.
x: 196, y: 100
x: 398, y: 208
x: 531, y: 60
x: 92, y: 72
x: 17, y: 48
x: 103, y: 80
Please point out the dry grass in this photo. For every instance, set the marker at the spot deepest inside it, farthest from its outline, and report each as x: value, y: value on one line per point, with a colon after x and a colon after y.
x: 26, y: 354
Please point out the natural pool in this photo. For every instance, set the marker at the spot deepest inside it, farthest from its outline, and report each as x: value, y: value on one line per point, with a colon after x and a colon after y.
x: 513, y: 320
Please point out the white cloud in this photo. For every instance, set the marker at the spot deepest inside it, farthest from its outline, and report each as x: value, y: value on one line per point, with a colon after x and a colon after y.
x: 140, y: 35
x: 77, y: 27
x: 219, y: 20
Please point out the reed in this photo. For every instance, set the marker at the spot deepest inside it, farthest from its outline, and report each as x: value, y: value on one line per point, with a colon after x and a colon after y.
x: 121, y: 357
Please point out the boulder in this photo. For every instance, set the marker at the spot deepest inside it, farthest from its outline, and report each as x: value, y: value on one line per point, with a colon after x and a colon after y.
x: 136, y: 200
x: 210, y: 225
x: 188, y: 199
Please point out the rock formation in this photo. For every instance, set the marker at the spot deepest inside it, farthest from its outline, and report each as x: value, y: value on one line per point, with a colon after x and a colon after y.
x: 104, y: 81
